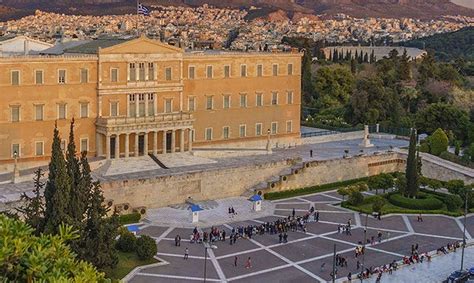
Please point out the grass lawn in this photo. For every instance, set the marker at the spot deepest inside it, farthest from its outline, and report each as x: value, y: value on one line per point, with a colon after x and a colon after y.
x: 127, y: 262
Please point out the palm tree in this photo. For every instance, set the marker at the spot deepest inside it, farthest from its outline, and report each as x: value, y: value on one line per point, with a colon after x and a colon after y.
x: 409, y: 94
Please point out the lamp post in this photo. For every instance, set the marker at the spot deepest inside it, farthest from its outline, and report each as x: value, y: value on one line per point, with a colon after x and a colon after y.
x: 334, y: 265
x: 16, y: 173
x: 468, y: 191
x: 365, y: 241
x: 207, y: 246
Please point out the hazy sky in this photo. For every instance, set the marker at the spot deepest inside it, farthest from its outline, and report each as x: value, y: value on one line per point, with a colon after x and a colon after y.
x: 465, y: 3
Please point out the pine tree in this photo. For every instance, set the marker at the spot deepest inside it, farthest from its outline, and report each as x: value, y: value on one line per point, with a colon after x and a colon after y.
x: 411, y: 169
x: 32, y: 209
x: 77, y: 204
x: 100, y: 231
x: 57, y: 190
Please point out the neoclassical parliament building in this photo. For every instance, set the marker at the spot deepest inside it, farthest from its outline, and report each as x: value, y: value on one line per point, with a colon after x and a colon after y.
x: 140, y: 96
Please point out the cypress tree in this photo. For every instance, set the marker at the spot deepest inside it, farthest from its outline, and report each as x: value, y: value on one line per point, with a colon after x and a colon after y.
x: 335, y: 55
x: 356, y: 56
x: 341, y: 56
x: 57, y: 190
x: 366, y: 58
x: 411, y: 169
x: 348, y: 57
x: 361, y: 57
x: 307, y: 78
x: 33, y: 209
x: 77, y: 205
x: 100, y: 231
x: 372, y: 57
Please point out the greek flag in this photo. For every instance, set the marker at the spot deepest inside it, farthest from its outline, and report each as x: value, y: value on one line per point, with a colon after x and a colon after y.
x: 143, y: 10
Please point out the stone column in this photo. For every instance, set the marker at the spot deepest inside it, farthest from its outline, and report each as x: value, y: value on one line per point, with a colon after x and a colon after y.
x: 99, y: 106
x: 181, y: 140
x: 127, y: 145
x: 146, y: 102
x: 98, y: 145
x: 190, y: 140
x: 136, y: 145
x: 145, y: 144
x: 164, y: 142
x: 107, y: 147
x: 155, y: 142
x: 155, y: 103
x: 137, y: 102
x: 117, y: 146
x: 173, y: 141
x: 128, y: 105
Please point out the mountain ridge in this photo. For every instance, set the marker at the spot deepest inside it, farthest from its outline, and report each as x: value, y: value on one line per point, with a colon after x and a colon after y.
x: 422, y: 9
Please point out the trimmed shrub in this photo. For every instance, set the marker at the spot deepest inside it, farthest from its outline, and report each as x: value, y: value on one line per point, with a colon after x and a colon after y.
x: 455, y: 186
x: 355, y: 198
x: 129, y: 218
x: 424, y: 147
x: 438, y: 142
x: 425, y: 202
x: 453, y: 202
x: 377, y: 203
x: 343, y: 192
x: 146, y: 247
x: 126, y: 242
x: 463, y: 161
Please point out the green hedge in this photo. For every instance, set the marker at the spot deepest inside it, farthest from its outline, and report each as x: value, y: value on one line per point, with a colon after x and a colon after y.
x: 311, y: 190
x: 427, y: 202
x: 402, y: 210
x: 129, y: 218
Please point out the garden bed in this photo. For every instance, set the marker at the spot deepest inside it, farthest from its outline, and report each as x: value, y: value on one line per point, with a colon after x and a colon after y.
x: 127, y: 262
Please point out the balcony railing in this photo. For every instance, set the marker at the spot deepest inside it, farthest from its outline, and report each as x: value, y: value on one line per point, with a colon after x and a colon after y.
x: 161, y: 117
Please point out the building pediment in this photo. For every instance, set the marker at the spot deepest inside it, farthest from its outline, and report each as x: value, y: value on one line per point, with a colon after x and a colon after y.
x: 141, y: 45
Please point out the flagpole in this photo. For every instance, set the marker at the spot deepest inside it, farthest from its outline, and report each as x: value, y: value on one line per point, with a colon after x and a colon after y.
x: 138, y: 33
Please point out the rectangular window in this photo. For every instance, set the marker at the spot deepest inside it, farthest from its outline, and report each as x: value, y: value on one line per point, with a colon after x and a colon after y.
x: 209, y: 102
x: 39, y: 77
x: 114, y: 108
x: 39, y: 148
x: 243, y: 71
x: 151, y: 71
x: 15, y: 113
x: 132, y: 101
x: 168, y: 74
x: 132, y: 72
x: 275, y: 69
x: 191, y: 72
x: 61, y: 76
x: 114, y: 75
x: 243, y: 100
x: 15, y: 77
x: 151, y: 104
x: 39, y: 112
x: 274, y: 98
x: 84, y: 109
x: 191, y: 103
x: 290, y: 69
x: 226, y: 102
x: 141, y: 105
x: 289, y: 97
x: 84, y: 76
x: 61, y: 111
x: 84, y: 145
x: 141, y: 72
x: 243, y: 131
x: 208, y: 134
x: 259, y: 99
x: 209, y: 72
x: 258, y: 129
x: 226, y: 71
x: 16, y: 150
x: 226, y: 132
x: 274, y: 130
x: 168, y: 105
x: 289, y: 126
x: 259, y: 70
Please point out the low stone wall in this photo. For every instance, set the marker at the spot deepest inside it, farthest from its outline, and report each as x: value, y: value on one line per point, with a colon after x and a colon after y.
x: 440, y: 169
x: 333, y: 137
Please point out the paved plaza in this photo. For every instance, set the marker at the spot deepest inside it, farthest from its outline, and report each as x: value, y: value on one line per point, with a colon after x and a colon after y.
x: 306, y: 257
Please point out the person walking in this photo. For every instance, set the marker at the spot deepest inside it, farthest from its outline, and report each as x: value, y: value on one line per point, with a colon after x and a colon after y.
x: 186, y: 253
x: 235, y: 261
x: 249, y: 263
x: 311, y: 153
x: 293, y: 213
x: 177, y: 241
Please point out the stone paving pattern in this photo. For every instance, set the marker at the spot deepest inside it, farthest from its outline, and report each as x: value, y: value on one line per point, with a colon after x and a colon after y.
x: 307, y: 257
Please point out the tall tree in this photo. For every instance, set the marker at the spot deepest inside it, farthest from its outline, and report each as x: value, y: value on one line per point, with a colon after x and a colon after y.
x: 372, y: 57
x: 404, y: 66
x: 57, y: 190
x: 335, y: 55
x: 307, y: 78
x: 411, y: 172
x: 77, y: 202
x: 32, y: 208
x: 366, y: 58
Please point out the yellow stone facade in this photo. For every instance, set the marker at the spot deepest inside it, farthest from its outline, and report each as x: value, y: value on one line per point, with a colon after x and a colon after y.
x: 143, y: 96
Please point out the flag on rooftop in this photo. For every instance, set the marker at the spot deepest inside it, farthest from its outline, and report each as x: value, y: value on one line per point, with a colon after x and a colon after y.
x: 143, y: 10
